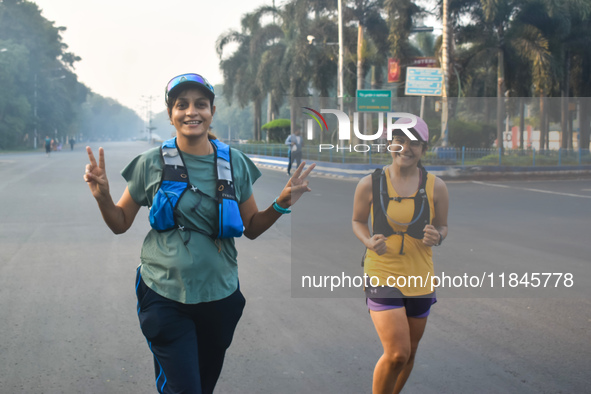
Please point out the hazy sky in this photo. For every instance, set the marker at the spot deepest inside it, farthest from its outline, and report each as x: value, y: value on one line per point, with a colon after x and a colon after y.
x: 132, y: 48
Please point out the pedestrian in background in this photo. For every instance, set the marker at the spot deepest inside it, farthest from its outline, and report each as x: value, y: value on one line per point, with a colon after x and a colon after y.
x: 295, y: 142
x: 189, y: 299
x: 47, y: 145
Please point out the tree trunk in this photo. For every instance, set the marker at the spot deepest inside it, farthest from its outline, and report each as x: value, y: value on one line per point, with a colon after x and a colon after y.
x: 564, y: 137
x: 542, y: 120
x: 546, y: 126
x: 569, y: 142
x: 292, y: 106
x: 257, y: 119
x: 323, y: 101
x: 584, y: 126
x: 269, y: 107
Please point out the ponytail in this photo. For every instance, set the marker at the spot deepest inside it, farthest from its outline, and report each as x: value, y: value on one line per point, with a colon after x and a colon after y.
x: 420, y: 166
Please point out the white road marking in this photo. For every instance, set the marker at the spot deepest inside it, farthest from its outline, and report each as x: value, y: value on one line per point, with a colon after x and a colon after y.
x: 532, y: 190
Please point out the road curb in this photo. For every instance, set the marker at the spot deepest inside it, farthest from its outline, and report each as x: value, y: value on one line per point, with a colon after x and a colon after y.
x: 357, y: 171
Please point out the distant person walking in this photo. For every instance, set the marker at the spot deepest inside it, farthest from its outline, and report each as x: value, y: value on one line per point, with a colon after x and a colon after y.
x: 47, y: 145
x: 72, y: 142
x: 201, y: 198
x: 408, y: 207
x: 295, y: 142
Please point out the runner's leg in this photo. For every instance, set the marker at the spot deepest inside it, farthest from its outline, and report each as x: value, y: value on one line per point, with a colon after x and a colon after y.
x: 417, y: 328
x: 393, y: 329
x: 216, y: 322
x: 171, y: 336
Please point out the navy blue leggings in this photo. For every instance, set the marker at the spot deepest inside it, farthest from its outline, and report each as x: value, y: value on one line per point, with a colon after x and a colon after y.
x: 188, y: 341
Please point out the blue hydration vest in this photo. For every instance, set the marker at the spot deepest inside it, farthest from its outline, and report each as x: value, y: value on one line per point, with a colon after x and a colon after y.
x: 175, y: 182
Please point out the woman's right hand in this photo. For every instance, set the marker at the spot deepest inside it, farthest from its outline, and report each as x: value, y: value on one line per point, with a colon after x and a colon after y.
x: 96, y: 176
x: 377, y: 243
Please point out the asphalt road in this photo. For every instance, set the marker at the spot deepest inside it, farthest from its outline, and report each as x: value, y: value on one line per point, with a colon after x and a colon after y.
x: 67, y: 303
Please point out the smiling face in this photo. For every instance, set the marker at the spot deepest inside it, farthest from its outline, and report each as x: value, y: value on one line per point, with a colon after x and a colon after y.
x: 191, y: 113
x: 411, y: 154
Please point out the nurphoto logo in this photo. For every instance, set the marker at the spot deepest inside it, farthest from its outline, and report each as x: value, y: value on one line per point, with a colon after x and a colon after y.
x: 344, y: 128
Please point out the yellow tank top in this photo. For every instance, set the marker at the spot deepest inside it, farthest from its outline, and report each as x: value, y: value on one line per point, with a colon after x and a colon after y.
x: 411, y: 272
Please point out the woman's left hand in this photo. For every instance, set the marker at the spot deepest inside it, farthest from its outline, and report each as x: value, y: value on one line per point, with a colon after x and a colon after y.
x: 296, y: 186
x: 431, y: 237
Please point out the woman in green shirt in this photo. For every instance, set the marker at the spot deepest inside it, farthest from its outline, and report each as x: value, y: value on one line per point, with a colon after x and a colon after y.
x: 189, y: 301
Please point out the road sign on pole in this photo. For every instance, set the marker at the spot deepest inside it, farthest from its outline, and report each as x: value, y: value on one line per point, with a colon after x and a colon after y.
x: 423, y: 81
x: 374, y: 100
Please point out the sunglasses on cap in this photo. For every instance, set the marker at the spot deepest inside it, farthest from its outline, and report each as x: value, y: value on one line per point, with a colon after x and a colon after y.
x: 191, y: 78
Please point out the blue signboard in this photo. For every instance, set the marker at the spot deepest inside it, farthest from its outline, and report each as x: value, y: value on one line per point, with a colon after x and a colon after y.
x: 423, y: 81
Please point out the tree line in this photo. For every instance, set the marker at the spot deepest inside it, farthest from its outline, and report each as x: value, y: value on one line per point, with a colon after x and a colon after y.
x: 498, y: 48
x: 40, y: 94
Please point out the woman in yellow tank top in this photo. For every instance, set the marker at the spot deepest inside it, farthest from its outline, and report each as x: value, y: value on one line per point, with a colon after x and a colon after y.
x: 400, y: 264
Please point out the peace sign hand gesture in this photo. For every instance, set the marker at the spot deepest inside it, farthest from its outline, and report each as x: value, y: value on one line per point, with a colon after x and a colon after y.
x: 96, y: 176
x: 296, y: 186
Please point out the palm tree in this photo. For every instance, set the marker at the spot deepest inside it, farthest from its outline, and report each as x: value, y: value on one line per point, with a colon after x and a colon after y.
x: 368, y: 14
x: 502, y: 29
x: 569, y: 16
x: 294, y: 52
x: 562, y: 26
x: 580, y: 81
x: 241, y: 69
x: 400, y: 17
x: 531, y: 64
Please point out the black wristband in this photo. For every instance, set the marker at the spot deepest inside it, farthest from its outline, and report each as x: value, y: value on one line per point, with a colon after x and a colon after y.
x: 440, y: 239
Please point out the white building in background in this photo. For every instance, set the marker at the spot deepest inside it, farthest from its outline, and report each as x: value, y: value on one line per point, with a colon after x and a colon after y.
x: 531, y: 139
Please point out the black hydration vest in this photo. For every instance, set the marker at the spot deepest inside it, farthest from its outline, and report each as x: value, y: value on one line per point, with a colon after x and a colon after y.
x: 381, y: 199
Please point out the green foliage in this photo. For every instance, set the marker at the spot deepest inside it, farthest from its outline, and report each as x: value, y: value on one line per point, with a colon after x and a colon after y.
x: 278, y: 130
x: 232, y: 121
x: 36, y: 77
x: 471, y: 134
x: 277, y: 124
x: 15, y: 109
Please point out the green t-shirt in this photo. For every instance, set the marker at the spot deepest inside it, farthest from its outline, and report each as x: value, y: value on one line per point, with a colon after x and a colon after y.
x: 188, y: 266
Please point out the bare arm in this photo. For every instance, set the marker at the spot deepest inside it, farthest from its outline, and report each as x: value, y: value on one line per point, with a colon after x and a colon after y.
x: 119, y: 217
x: 257, y: 222
x: 441, y: 207
x: 361, y: 210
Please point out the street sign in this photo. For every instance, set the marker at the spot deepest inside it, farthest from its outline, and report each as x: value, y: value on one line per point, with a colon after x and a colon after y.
x: 374, y: 100
x: 423, y: 62
x: 423, y: 81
